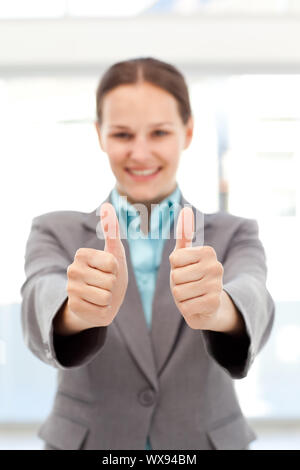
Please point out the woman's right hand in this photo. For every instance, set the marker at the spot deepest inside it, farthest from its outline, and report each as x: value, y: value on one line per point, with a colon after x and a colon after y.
x: 97, y: 281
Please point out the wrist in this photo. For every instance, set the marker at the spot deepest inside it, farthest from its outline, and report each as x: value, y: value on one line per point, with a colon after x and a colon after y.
x: 66, y: 323
x: 228, y: 319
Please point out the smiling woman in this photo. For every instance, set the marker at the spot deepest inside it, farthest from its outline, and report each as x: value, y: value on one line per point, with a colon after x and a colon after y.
x: 144, y: 146
x: 147, y: 334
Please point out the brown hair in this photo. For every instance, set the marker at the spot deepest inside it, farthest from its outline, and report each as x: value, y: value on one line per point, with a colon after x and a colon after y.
x: 150, y: 70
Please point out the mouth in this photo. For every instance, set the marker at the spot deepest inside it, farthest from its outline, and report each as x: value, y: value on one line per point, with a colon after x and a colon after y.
x: 145, y: 174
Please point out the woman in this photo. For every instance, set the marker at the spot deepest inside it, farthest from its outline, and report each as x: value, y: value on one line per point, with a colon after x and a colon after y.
x: 147, y: 332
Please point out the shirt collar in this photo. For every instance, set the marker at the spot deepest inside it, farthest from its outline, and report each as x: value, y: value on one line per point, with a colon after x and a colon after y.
x: 162, y: 214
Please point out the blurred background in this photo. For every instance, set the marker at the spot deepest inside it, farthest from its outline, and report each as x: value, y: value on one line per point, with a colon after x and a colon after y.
x: 241, y: 60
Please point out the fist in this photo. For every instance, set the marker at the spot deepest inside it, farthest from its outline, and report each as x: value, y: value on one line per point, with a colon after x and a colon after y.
x: 97, y: 280
x: 196, y: 276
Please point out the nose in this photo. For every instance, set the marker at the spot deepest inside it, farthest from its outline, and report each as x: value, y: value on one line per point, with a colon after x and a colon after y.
x: 139, y: 150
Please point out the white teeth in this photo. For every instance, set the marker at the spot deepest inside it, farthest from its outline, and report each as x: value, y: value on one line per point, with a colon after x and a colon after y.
x: 143, y: 172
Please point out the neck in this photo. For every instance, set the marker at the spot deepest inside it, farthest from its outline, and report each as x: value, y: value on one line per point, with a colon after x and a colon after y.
x: 144, y: 222
x: 147, y: 203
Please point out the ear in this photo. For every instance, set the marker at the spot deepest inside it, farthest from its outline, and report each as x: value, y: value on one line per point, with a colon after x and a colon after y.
x: 189, y: 129
x: 99, y: 135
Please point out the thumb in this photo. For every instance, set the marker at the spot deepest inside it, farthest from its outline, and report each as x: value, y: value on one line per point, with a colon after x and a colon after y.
x: 111, y: 230
x: 185, y: 228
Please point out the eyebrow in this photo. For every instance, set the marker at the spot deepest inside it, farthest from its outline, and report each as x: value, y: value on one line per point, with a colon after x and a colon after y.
x: 158, y: 124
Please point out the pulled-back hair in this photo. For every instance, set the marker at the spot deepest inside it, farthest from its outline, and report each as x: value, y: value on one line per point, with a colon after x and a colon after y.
x: 148, y: 69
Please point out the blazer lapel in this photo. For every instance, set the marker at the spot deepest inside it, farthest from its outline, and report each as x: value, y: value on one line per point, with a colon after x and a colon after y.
x: 166, y: 318
x: 149, y: 349
x: 130, y: 320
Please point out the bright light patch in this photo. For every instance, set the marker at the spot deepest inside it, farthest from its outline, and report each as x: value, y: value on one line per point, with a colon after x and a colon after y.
x: 103, y: 8
x: 2, y: 352
x: 288, y: 344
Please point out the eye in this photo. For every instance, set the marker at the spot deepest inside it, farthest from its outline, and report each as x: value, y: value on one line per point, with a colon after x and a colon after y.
x: 122, y: 135
x: 160, y: 133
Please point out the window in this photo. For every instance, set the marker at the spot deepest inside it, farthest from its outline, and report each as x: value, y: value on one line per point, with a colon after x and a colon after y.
x: 246, y: 135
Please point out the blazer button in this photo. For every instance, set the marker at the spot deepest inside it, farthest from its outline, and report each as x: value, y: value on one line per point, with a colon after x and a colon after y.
x: 147, y: 397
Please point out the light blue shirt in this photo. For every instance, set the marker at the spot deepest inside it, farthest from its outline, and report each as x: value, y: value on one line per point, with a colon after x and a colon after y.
x: 146, y: 249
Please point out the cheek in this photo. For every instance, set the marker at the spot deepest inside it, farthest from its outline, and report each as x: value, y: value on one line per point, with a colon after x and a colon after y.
x: 171, y: 152
x: 116, y: 154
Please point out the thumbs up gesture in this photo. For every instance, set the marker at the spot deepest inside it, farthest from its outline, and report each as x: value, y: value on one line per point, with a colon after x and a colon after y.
x: 97, y: 281
x: 195, y: 277
x: 116, y: 257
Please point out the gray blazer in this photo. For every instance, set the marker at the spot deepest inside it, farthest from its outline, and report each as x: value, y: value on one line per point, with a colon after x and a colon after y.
x: 120, y: 383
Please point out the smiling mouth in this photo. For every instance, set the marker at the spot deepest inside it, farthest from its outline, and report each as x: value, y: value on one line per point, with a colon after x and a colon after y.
x: 143, y: 172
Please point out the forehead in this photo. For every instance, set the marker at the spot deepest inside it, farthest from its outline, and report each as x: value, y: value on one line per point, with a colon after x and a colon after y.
x: 141, y: 101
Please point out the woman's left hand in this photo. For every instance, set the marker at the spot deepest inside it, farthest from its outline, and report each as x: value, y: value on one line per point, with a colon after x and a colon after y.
x: 196, y: 277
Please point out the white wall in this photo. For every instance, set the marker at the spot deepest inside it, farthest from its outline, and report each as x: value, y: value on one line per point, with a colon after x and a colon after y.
x: 213, y: 42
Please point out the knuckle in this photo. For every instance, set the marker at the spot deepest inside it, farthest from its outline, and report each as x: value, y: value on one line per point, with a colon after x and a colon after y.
x: 184, y: 309
x: 111, y: 263
x: 111, y: 281
x: 220, y: 268
x: 80, y: 253
x: 199, y: 250
x: 208, y: 250
x: 213, y: 269
x: 104, y: 318
x: 104, y: 313
x: 72, y: 290
x: 174, y: 277
x: 106, y: 297
x: 71, y: 272
x: 176, y: 291
x: 172, y: 258
x: 191, y: 323
x: 217, y: 269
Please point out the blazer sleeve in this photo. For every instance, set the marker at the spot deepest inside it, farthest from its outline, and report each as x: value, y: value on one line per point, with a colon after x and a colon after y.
x: 244, y: 280
x: 43, y: 293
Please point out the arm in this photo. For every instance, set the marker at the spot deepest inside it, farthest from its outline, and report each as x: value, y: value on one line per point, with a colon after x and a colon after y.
x: 44, y: 294
x: 250, y: 304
